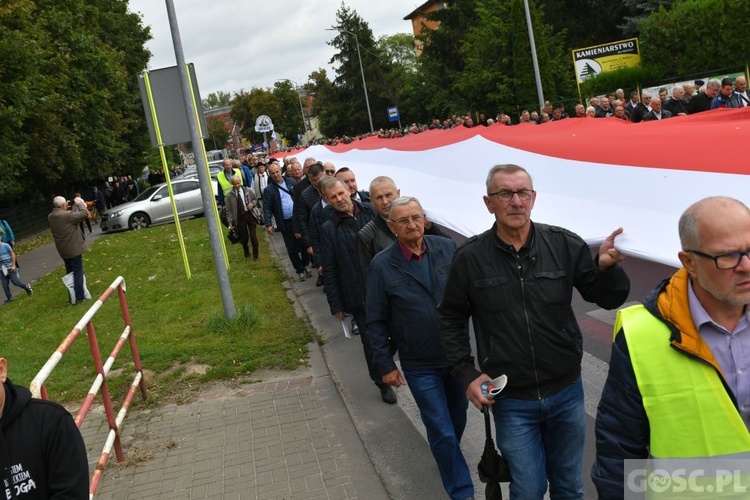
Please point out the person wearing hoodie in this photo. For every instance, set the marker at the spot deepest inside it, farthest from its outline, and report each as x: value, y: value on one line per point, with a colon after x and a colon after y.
x: 42, y: 454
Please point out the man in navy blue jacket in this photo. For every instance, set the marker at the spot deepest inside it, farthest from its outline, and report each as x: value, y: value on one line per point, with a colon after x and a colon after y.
x: 405, y: 283
x: 42, y: 454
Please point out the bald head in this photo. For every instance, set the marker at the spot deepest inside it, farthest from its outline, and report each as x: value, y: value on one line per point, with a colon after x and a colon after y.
x: 59, y: 202
x: 713, y: 211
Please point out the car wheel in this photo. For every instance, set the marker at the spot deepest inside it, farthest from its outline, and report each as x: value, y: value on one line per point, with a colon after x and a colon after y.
x: 139, y: 220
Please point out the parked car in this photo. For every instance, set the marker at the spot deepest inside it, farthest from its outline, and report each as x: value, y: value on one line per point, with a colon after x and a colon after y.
x: 153, y: 206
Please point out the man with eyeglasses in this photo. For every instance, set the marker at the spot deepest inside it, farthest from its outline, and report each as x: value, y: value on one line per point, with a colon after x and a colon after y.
x: 679, y: 374
x: 405, y: 284
x: 515, y: 281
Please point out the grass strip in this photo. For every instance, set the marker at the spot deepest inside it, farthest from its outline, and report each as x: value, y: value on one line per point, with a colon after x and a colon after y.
x: 183, y: 337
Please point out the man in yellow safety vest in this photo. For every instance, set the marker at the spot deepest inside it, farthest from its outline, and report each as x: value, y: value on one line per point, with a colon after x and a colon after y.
x: 679, y: 374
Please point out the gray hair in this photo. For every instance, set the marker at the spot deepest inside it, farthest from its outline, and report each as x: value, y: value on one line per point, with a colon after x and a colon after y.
x: 403, y: 200
x: 506, y: 169
x: 326, y: 182
x: 713, y: 83
x: 381, y: 179
x: 59, y: 202
x: 236, y: 177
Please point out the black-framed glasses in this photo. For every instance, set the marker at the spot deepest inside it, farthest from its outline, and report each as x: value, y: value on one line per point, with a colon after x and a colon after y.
x: 404, y: 221
x: 505, y: 195
x: 723, y: 261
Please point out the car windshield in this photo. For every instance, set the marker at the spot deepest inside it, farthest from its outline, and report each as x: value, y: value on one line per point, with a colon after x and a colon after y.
x: 146, y: 194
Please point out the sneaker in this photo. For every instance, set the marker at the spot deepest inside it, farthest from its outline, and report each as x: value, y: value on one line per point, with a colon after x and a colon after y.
x: 387, y: 395
x: 355, y: 327
x: 28, y: 289
x: 308, y: 272
x: 301, y: 276
x: 7, y: 301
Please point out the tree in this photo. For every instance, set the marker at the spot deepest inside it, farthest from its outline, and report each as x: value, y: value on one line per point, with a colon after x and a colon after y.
x: 289, y: 121
x: 69, y: 98
x: 399, y: 50
x: 218, y: 135
x: 215, y: 100
x: 349, y: 108
x: 637, y: 11
x: 696, y: 36
x: 248, y: 106
x: 323, y: 94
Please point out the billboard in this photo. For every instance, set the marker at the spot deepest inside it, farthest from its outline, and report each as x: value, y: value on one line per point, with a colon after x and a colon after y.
x: 590, y: 61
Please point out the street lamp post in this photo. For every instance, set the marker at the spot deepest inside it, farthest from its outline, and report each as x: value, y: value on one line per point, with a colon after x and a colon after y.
x: 537, y: 77
x: 361, y: 70
x: 299, y: 98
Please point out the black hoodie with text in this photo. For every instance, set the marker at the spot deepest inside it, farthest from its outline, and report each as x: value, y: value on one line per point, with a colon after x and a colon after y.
x: 42, y: 454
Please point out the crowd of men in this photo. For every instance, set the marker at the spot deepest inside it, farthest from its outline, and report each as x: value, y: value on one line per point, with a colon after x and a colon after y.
x: 409, y: 290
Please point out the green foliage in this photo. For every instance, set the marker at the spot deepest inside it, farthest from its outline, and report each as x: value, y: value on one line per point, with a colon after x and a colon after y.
x: 217, y: 100
x: 178, y: 323
x: 70, y: 110
x: 696, y: 36
x: 218, y: 135
x: 626, y: 78
x: 248, y: 106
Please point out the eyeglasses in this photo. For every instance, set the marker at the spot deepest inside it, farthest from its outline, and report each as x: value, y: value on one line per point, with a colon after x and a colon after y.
x: 329, y: 172
x: 724, y: 261
x: 404, y: 221
x: 505, y: 195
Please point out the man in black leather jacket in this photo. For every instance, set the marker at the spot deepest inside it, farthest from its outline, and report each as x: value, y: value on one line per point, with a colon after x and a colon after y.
x: 516, y: 283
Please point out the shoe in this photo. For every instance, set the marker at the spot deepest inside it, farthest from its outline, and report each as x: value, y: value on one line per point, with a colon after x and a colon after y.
x: 301, y: 276
x: 255, y: 259
x: 320, y: 281
x: 28, y: 289
x: 387, y: 395
x: 308, y: 272
x: 7, y: 301
x: 355, y: 327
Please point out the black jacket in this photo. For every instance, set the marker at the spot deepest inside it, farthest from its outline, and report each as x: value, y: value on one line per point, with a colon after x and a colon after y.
x: 520, y: 305
x: 303, y: 205
x: 42, y: 455
x: 675, y: 106
x: 699, y: 103
x: 651, y: 116
x: 272, y: 201
x: 338, y: 253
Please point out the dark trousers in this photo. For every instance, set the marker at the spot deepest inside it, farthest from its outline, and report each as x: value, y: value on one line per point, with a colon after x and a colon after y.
x: 361, y: 319
x: 75, y: 266
x: 246, y: 227
x: 297, y: 254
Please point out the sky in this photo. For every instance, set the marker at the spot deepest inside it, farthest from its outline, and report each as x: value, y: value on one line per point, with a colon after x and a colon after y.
x: 240, y: 44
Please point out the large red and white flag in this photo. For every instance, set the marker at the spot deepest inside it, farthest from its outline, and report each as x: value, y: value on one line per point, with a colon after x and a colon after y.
x: 591, y: 175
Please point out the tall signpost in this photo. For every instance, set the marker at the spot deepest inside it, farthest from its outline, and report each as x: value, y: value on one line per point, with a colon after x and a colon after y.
x: 214, y: 234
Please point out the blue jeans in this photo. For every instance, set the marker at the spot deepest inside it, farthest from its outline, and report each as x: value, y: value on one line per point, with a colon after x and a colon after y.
x: 543, y: 440
x: 75, y: 266
x: 442, y: 404
x: 11, y: 278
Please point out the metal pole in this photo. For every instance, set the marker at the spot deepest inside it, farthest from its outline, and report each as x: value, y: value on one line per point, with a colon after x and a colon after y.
x: 299, y: 98
x: 204, y: 180
x: 537, y: 77
x: 361, y: 70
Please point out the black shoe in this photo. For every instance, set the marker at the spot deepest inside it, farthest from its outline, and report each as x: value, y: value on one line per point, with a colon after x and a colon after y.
x: 355, y: 328
x: 387, y: 395
x: 320, y: 281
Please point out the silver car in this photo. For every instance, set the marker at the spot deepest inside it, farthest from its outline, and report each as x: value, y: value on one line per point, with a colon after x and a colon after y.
x: 153, y: 206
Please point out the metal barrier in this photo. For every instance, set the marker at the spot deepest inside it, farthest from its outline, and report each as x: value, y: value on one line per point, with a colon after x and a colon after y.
x: 100, y: 383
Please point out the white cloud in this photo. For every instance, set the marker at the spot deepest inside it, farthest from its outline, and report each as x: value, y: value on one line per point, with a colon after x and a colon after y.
x: 240, y: 44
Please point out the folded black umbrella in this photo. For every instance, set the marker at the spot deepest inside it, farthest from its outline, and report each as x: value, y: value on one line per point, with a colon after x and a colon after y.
x: 492, y: 468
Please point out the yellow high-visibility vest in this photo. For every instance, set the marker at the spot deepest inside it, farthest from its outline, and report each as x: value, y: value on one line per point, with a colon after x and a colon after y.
x: 690, y: 412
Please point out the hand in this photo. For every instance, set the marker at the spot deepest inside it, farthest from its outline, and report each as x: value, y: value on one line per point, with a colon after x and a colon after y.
x: 320, y: 270
x: 309, y: 250
x: 298, y: 235
x: 13, y: 268
x: 608, y: 254
x: 394, y: 379
x: 474, y: 392
x: 339, y: 315
x: 269, y: 229
x: 231, y: 226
